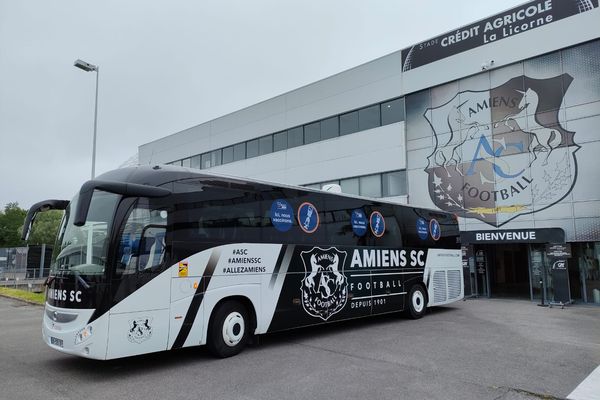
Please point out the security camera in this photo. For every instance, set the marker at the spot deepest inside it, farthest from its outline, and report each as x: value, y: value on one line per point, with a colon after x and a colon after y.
x: 487, y: 65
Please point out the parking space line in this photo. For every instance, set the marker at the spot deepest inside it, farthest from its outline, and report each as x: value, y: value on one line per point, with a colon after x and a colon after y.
x: 589, y: 388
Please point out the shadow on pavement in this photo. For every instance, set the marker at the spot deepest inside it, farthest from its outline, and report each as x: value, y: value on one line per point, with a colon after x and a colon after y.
x: 143, y: 364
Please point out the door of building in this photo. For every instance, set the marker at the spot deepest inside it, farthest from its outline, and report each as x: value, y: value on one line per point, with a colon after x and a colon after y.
x: 503, y: 270
x: 510, y: 277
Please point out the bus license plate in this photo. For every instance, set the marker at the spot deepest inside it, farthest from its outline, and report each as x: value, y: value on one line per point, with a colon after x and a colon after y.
x: 56, y: 341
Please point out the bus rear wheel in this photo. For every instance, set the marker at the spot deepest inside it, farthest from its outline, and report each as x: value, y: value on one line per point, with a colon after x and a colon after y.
x: 417, y: 302
x: 228, y: 329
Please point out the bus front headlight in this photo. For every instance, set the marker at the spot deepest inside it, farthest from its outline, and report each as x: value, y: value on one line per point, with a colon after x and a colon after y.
x: 83, y: 334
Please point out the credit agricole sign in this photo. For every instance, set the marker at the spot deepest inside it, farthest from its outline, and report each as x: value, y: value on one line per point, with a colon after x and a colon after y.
x: 520, y: 19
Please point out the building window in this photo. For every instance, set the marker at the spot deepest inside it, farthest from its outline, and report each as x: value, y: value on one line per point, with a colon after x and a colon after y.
x: 252, y: 148
x: 265, y: 145
x: 280, y: 141
x: 228, y: 155
x: 312, y: 133
x: 294, y: 137
x: 349, y: 123
x: 377, y: 185
x: 215, y: 157
x: 350, y: 186
x: 330, y: 128
x: 239, y: 151
x: 205, y: 160
x: 394, y: 183
x: 186, y: 162
x: 392, y: 111
x: 369, y: 118
x: 195, y: 162
x: 370, y: 185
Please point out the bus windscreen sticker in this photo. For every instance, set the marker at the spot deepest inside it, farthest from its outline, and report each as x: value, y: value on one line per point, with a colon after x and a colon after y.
x: 324, y: 287
x: 359, y: 222
x: 183, y: 269
x: 422, y: 228
x: 282, y: 215
x: 377, y: 224
x: 308, y: 217
x: 435, y: 229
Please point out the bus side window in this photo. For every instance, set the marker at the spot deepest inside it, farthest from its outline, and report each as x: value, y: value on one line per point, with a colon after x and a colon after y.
x: 142, y: 243
x: 152, y: 247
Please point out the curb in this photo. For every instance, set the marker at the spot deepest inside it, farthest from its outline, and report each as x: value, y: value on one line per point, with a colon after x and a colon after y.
x: 22, y: 300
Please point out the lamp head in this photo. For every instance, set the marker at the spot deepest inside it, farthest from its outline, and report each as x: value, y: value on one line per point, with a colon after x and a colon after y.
x: 85, y: 66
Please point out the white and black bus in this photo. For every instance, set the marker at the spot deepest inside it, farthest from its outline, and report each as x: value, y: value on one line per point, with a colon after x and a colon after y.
x: 156, y: 258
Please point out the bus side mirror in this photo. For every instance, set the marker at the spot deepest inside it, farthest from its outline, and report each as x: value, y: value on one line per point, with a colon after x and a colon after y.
x: 41, y: 206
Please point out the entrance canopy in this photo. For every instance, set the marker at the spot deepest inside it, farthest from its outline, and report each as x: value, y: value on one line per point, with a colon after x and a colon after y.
x: 541, y: 235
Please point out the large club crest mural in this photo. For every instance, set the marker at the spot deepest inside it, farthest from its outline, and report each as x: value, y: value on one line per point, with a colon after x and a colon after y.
x: 502, y: 152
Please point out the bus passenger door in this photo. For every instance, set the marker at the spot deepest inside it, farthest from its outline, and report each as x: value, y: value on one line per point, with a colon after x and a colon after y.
x: 139, y: 321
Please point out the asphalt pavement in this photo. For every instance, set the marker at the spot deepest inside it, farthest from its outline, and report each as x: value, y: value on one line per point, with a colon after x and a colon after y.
x: 475, y: 349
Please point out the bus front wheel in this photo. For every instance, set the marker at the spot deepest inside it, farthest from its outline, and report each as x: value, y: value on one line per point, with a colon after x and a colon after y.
x: 417, y: 301
x: 228, y: 329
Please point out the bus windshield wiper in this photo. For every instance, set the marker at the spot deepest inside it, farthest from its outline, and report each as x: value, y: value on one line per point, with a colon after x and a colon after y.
x: 82, y: 281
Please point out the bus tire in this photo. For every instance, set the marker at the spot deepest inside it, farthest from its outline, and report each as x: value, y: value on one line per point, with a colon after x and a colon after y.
x: 417, y: 302
x: 228, y: 329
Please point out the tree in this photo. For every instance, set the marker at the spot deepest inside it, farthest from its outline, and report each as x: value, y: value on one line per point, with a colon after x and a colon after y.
x: 11, y: 219
x: 45, y: 227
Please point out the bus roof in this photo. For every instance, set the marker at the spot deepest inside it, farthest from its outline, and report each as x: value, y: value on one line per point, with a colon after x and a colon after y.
x: 159, y: 175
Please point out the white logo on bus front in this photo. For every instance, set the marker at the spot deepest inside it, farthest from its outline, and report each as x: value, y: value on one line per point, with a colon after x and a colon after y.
x: 324, y: 287
x: 140, y: 330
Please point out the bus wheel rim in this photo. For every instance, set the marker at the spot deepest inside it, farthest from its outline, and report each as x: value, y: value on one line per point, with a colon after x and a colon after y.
x: 233, y: 329
x: 418, y: 301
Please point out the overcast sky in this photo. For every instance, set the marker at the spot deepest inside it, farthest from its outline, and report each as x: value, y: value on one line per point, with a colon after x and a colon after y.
x: 169, y: 65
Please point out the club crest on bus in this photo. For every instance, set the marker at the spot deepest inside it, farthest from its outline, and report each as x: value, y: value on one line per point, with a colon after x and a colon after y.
x: 324, y: 287
x: 140, y: 330
x: 503, y: 152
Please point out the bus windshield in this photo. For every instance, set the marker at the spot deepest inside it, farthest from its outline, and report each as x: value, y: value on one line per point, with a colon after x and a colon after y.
x: 83, y: 249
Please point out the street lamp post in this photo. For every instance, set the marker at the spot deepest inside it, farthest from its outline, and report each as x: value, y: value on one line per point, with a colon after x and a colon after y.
x: 87, y: 67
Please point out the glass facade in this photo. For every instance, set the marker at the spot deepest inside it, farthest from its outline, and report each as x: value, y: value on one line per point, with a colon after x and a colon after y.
x: 585, y: 272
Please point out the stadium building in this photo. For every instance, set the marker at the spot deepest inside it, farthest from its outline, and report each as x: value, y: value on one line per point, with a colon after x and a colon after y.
x: 497, y: 121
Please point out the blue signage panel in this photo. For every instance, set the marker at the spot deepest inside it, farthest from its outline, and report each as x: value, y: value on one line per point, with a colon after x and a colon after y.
x: 308, y: 217
x: 359, y: 222
x: 282, y: 215
x: 435, y: 229
x: 377, y: 224
x: 422, y: 228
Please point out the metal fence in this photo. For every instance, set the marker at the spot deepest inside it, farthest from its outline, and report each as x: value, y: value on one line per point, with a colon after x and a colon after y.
x: 22, y: 263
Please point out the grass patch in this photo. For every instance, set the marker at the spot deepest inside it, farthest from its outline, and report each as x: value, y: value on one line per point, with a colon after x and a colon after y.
x: 38, y: 298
